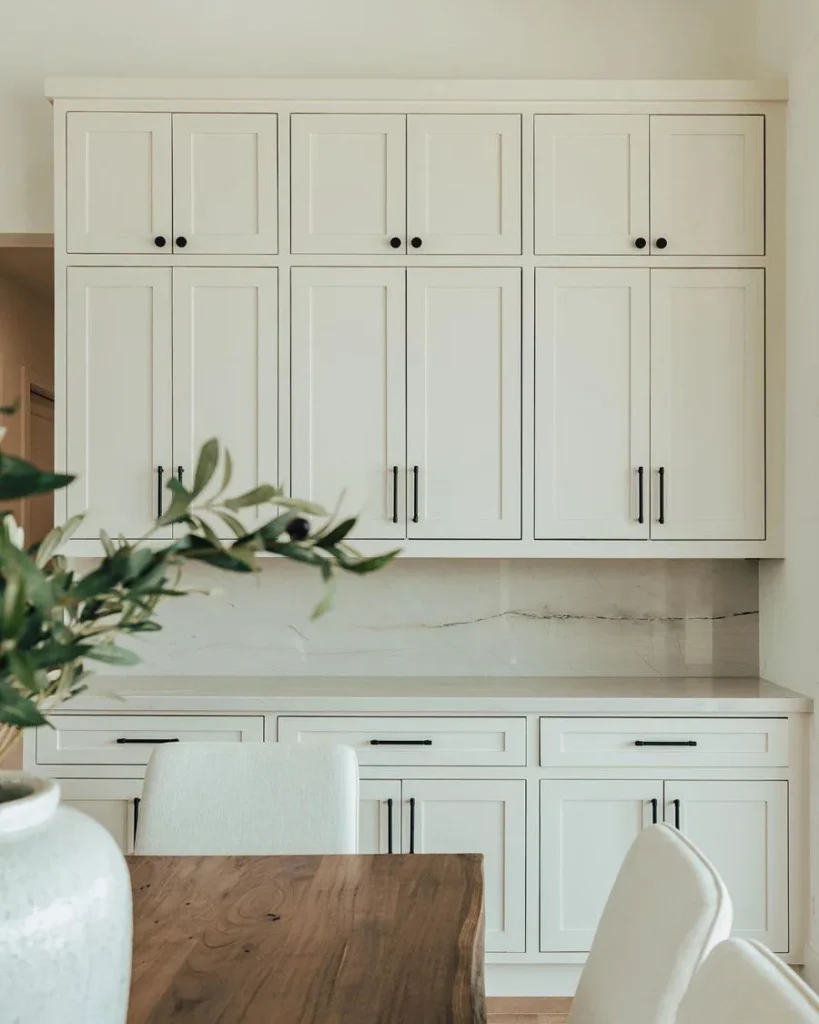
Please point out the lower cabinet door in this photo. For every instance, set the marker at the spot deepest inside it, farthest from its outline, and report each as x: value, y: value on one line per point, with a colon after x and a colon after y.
x: 586, y: 829
x: 114, y: 803
x: 742, y: 828
x: 474, y: 816
x: 379, y: 816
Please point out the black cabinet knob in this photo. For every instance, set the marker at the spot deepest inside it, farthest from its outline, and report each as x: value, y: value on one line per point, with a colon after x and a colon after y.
x: 662, y: 243
x: 640, y: 243
x: 159, y: 241
x: 416, y: 242
x: 395, y: 242
x: 181, y: 241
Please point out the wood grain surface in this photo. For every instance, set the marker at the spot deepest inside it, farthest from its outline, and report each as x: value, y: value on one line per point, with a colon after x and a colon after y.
x: 308, y: 940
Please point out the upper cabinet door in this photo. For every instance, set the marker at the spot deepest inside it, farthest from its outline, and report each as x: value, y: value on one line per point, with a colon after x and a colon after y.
x: 708, y: 185
x: 463, y: 415
x: 119, y: 183
x: 708, y: 404
x: 591, y: 184
x: 225, y: 356
x: 463, y: 183
x: 119, y: 401
x: 348, y: 397
x: 348, y: 183
x: 225, y: 191
x: 592, y: 404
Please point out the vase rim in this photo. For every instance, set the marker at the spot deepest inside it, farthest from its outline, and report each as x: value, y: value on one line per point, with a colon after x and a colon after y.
x: 34, y: 806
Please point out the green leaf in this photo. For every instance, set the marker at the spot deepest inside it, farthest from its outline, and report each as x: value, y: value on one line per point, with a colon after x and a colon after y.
x: 14, y: 606
x: 228, y: 474
x: 336, y: 535
x: 24, y: 671
x: 326, y: 603
x: 107, y: 544
x: 111, y: 654
x: 261, y: 495
x: 18, y: 710
x: 50, y: 544
x: 197, y: 548
x: 309, y: 508
x: 206, y: 465
x: 180, y: 503
x: 363, y: 565
x: 20, y: 479
x: 232, y: 523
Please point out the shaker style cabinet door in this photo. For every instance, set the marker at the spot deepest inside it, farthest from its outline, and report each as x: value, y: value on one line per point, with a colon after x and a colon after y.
x: 225, y: 190
x: 118, y: 183
x: 118, y: 410
x: 348, y: 398
x: 348, y: 183
x: 592, y: 404
x: 463, y: 183
x: 708, y: 185
x: 488, y: 817
x: 708, y: 404
x: 463, y: 413
x: 225, y: 380
x: 591, y: 184
x: 379, y: 816
x: 114, y: 803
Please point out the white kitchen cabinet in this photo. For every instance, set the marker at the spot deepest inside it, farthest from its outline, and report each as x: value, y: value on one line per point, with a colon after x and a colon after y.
x: 708, y: 404
x: 586, y: 830
x: 114, y: 803
x: 463, y: 412
x: 742, y: 827
x: 118, y: 178
x: 225, y: 187
x: 476, y: 816
x: 348, y: 183
x: 463, y: 183
x: 118, y: 407
x: 708, y: 185
x: 348, y: 398
x: 592, y: 404
x: 225, y: 380
x: 591, y: 184
x: 379, y: 816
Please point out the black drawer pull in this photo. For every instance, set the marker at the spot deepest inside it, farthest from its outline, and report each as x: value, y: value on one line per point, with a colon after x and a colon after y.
x: 389, y: 825
x: 676, y: 805
x: 665, y: 743
x: 128, y: 739
x: 400, y: 743
x: 137, y: 802
x: 412, y: 825
x: 655, y: 803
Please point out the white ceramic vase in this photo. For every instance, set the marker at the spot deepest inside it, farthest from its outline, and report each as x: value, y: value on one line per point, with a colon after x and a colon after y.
x: 65, y: 911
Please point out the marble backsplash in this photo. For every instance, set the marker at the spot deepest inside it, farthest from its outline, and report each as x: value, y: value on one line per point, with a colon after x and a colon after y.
x: 448, y: 617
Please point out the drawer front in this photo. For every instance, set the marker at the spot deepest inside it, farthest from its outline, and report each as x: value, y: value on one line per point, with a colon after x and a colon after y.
x: 485, y: 742
x: 127, y: 739
x: 664, y: 742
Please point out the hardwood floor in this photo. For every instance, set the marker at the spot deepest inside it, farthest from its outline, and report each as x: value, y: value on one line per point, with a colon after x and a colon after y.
x: 528, y: 1011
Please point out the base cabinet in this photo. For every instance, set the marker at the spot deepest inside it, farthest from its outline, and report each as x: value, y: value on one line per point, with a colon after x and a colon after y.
x: 379, y: 816
x: 114, y: 803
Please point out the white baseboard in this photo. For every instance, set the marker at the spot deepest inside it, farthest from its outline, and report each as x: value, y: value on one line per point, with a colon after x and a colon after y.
x: 811, y: 971
x: 532, y: 979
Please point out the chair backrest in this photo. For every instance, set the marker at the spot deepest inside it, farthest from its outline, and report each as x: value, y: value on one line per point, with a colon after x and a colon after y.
x: 666, y: 912
x: 249, y: 798
x: 741, y: 982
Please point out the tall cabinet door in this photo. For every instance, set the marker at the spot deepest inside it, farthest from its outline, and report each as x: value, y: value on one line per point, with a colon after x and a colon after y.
x: 348, y: 183
x: 708, y: 404
x: 225, y: 191
x: 118, y: 183
x: 379, y: 816
x: 225, y: 353
x: 113, y: 803
x: 463, y: 415
x: 348, y: 396
x: 592, y: 404
x: 708, y: 184
x: 591, y: 184
x: 488, y: 817
x: 742, y: 828
x: 586, y: 830
x: 119, y: 396
x: 463, y: 183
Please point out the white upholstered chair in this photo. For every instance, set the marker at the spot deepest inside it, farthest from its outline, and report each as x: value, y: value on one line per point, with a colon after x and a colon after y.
x: 741, y: 982
x: 666, y: 912
x: 249, y: 798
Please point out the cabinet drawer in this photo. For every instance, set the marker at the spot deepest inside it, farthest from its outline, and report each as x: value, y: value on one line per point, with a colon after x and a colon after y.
x: 127, y: 739
x: 669, y: 742
x: 417, y: 741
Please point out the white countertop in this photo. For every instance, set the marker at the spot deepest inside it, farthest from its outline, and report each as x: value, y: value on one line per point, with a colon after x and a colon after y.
x: 496, y: 694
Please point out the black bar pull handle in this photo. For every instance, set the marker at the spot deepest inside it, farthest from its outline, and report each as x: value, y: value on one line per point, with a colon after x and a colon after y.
x: 661, y: 516
x: 137, y: 802
x: 160, y: 472
x: 641, y: 513
x: 665, y: 743
x: 415, y: 494
x: 395, y: 494
x: 129, y: 739
x: 412, y: 825
x: 676, y: 804
x: 389, y: 825
x: 400, y: 743
x: 655, y: 804
x: 180, y: 470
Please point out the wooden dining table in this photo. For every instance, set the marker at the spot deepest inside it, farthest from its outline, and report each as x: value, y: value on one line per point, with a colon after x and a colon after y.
x: 308, y: 940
